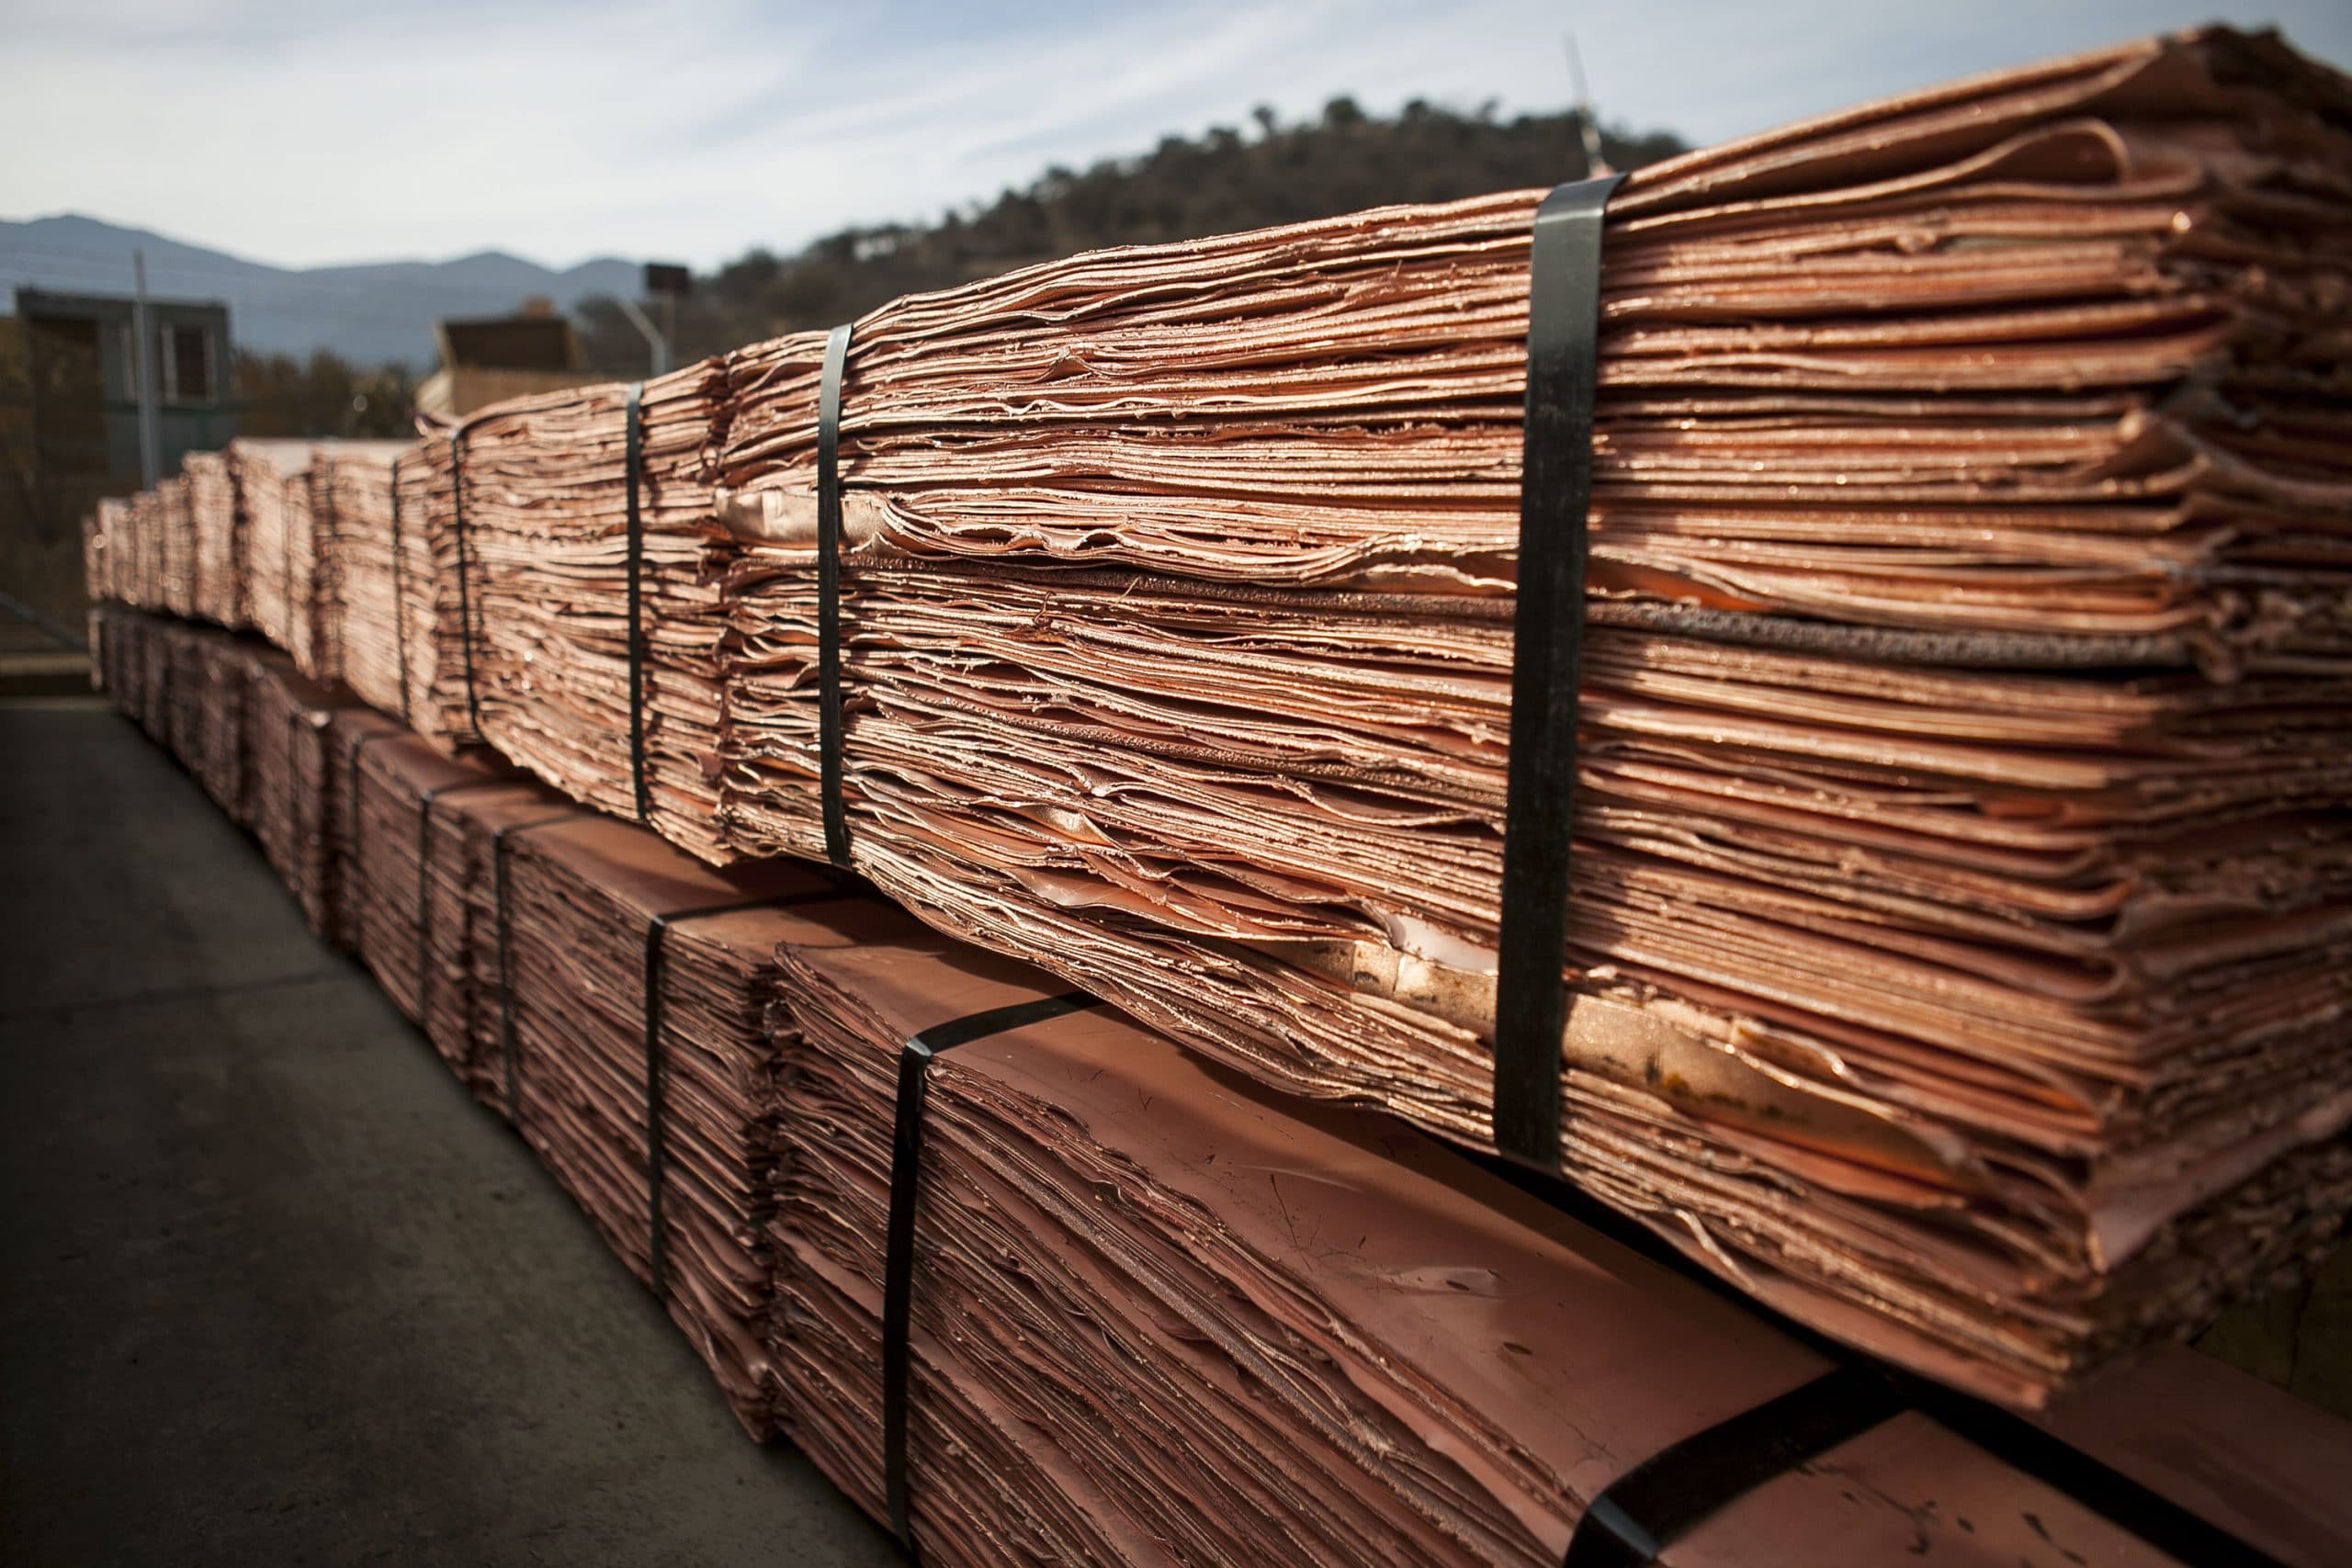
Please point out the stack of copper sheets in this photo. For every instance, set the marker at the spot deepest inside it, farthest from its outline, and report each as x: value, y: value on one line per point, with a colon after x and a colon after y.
x: 150, y: 665
x: 1962, y: 892
x: 582, y: 900
x: 531, y: 568
x: 287, y: 755
x: 1159, y: 1314
x: 100, y: 553
x: 367, y: 565
x: 119, y: 640
x: 135, y: 543
x: 176, y: 520
x: 117, y: 543
x: 393, y: 782
x: 219, y: 548
x: 434, y: 619
x: 331, y: 901
x: 465, y: 1014
x: 272, y: 485
x: 1962, y: 881
x: 189, y: 703
x: 209, y: 673
x: 187, y: 686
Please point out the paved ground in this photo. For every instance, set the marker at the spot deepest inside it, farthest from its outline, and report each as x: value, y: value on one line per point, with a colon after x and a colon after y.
x: 34, y: 659
x: 276, y: 1290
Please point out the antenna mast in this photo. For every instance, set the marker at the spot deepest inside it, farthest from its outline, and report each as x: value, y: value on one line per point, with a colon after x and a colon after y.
x: 1587, y: 122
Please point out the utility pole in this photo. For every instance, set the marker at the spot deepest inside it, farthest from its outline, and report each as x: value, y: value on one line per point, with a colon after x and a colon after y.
x: 665, y: 281
x: 653, y: 338
x: 143, y: 342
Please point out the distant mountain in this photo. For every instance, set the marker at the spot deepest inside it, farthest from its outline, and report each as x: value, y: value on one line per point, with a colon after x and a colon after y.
x: 377, y: 313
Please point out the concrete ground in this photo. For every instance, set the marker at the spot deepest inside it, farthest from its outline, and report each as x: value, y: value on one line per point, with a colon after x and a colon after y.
x: 35, y: 658
x: 277, y: 1291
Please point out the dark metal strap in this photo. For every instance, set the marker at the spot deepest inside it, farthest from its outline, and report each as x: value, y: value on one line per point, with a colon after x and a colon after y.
x: 399, y: 595
x: 505, y: 951
x: 351, y: 782
x: 2014, y: 1442
x: 906, y: 1175
x: 1645, y: 1510
x: 1555, y: 489
x: 2095, y: 1485
x: 424, y: 888
x: 465, y: 602
x: 828, y: 593
x: 633, y: 460
x: 286, y: 571
x: 1638, y: 1517
x: 294, y: 717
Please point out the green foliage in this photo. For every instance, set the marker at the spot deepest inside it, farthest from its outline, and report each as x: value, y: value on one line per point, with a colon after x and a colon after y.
x: 322, y: 396
x: 1222, y: 182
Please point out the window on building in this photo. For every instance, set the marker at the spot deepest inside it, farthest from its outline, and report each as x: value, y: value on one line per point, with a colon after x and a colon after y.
x: 188, y: 364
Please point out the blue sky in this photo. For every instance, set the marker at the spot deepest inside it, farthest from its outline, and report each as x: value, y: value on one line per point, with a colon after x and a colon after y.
x: 304, y: 134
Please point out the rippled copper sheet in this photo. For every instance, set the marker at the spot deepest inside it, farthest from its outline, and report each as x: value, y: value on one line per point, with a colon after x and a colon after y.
x: 1160, y: 1314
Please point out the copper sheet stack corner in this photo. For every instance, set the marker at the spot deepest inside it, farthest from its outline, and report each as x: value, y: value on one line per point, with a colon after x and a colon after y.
x: 1159, y: 1313
x: 583, y: 897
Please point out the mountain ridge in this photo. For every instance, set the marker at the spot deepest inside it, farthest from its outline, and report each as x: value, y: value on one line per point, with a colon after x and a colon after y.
x: 367, y: 312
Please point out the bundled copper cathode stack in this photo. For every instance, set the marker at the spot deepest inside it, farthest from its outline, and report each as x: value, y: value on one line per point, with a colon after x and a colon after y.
x: 1959, y: 924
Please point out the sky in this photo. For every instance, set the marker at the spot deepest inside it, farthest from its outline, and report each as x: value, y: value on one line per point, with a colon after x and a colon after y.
x: 303, y: 132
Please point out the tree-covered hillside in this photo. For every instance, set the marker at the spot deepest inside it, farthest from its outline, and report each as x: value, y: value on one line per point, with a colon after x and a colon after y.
x: 1227, y: 180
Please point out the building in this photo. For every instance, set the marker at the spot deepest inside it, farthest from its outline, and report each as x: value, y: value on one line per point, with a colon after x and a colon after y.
x: 81, y: 370
x: 487, y: 360
x: 69, y: 421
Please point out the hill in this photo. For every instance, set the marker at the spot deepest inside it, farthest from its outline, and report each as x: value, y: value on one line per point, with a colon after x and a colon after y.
x: 375, y: 313
x: 1224, y: 180
x: 1186, y: 187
